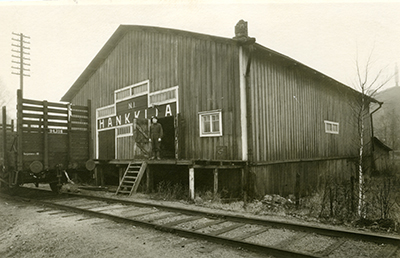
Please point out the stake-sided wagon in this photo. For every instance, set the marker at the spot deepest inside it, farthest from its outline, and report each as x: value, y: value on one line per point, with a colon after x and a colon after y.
x: 51, y: 143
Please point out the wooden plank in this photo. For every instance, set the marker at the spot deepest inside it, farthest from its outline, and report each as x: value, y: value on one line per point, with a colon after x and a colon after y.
x: 40, y: 109
x: 56, y: 104
x: 32, y: 102
x: 78, y: 126
x: 79, y: 119
x: 33, y: 115
x: 55, y: 124
x: 31, y: 108
x: 40, y: 103
x: 79, y: 107
x: 57, y: 111
x: 40, y: 116
x: 79, y: 113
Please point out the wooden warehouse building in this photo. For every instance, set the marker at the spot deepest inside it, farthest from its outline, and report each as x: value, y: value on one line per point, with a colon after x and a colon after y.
x: 236, y: 115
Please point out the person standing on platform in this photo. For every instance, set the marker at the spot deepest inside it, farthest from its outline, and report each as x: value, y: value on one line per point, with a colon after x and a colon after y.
x: 156, y: 133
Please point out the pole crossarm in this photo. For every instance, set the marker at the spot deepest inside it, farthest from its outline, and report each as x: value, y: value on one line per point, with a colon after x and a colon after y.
x: 21, y: 50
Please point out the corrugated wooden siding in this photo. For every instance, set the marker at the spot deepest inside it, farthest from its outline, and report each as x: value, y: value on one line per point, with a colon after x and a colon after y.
x: 289, y: 105
x: 281, y: 178
x: 206, y: 72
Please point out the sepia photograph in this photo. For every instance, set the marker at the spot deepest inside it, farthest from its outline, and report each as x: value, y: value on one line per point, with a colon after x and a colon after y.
x: 199, y: 128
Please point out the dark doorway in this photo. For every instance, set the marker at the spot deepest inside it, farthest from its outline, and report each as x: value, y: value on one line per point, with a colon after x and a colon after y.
x: 107, y: 144
x: 168, y: 140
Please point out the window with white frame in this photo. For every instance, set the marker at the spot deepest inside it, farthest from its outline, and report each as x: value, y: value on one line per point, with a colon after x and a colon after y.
x: 331, y: 127
x: 210, y: 123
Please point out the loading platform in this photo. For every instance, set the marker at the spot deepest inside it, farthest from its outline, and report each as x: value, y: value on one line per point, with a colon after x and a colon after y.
x: 132, y: 171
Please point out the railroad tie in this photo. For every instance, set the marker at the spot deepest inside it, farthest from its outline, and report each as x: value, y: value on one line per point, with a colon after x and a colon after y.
x: 387, y: 252
x: 177, y: 222
x: 332, y: 247
x: 227, y: 229
x: 251, y: 234
x: 291, y: 239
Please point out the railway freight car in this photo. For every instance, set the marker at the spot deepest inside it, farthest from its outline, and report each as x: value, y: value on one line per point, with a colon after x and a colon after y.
x: 50, y: 145
x: 237, y: 116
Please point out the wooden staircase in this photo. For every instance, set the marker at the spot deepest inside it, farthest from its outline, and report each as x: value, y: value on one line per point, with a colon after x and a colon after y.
x: 131, y: 179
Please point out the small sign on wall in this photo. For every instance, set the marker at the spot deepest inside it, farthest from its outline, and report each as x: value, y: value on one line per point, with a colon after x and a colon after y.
x: 56, y: 131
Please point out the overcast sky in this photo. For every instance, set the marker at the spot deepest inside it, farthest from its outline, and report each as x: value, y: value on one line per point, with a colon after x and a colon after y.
x: 66, y: 35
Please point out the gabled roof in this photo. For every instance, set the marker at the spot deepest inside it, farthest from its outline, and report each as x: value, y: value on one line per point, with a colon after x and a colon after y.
x: 124, y: 29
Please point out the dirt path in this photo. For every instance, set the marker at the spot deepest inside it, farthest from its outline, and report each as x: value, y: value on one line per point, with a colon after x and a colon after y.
x: 25, y: 232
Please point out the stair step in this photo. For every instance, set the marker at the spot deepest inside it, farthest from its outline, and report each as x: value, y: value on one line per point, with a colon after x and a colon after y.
x: 122, y: 191
x: 126, y: 184
x: 129, y: 177
x: 129, y: 180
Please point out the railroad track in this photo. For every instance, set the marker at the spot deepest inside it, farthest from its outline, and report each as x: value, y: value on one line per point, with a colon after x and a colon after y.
x: 274, y: 238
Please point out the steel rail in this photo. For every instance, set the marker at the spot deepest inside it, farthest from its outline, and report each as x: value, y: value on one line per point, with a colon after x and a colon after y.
x: 183, y: 232
x: 351, y: 234
x: 355, y: 235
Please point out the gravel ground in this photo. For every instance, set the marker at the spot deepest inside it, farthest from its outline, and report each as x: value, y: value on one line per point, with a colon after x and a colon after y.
x: 181, y: 247
x: 25, y: 232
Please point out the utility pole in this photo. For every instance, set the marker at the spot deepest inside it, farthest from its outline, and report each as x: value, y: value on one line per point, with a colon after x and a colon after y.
x: 21, y: 58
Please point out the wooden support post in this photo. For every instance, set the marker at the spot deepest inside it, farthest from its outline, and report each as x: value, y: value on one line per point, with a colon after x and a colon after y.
x: 19, y: 130
x: 191, y: 183
x: 149, y: 180
x: 176, y: 126
x: 45, y: 135
x: 102, y: 177
x: 120, y: 174
x: 96, y: 175
x: 215, y: 181
x: 297, y: 188
x: 5, y: 138
x: 244, y: 184
x: 69, y: 133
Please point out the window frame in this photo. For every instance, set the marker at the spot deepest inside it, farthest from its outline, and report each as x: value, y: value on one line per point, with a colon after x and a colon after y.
x: 130, y: 133
x: 329, y: 127
x: 212, y: 133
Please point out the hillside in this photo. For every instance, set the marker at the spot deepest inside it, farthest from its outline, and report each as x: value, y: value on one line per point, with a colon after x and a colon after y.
x: 387, y: 119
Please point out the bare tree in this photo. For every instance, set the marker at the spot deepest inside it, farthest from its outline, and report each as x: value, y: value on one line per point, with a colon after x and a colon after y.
x: 368, y: 83
x: 4, y: 95
x: 4, y: 98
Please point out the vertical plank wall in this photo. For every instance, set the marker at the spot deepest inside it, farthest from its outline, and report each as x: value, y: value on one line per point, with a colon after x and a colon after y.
x: 205, y: 70
x: 288, y: 109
